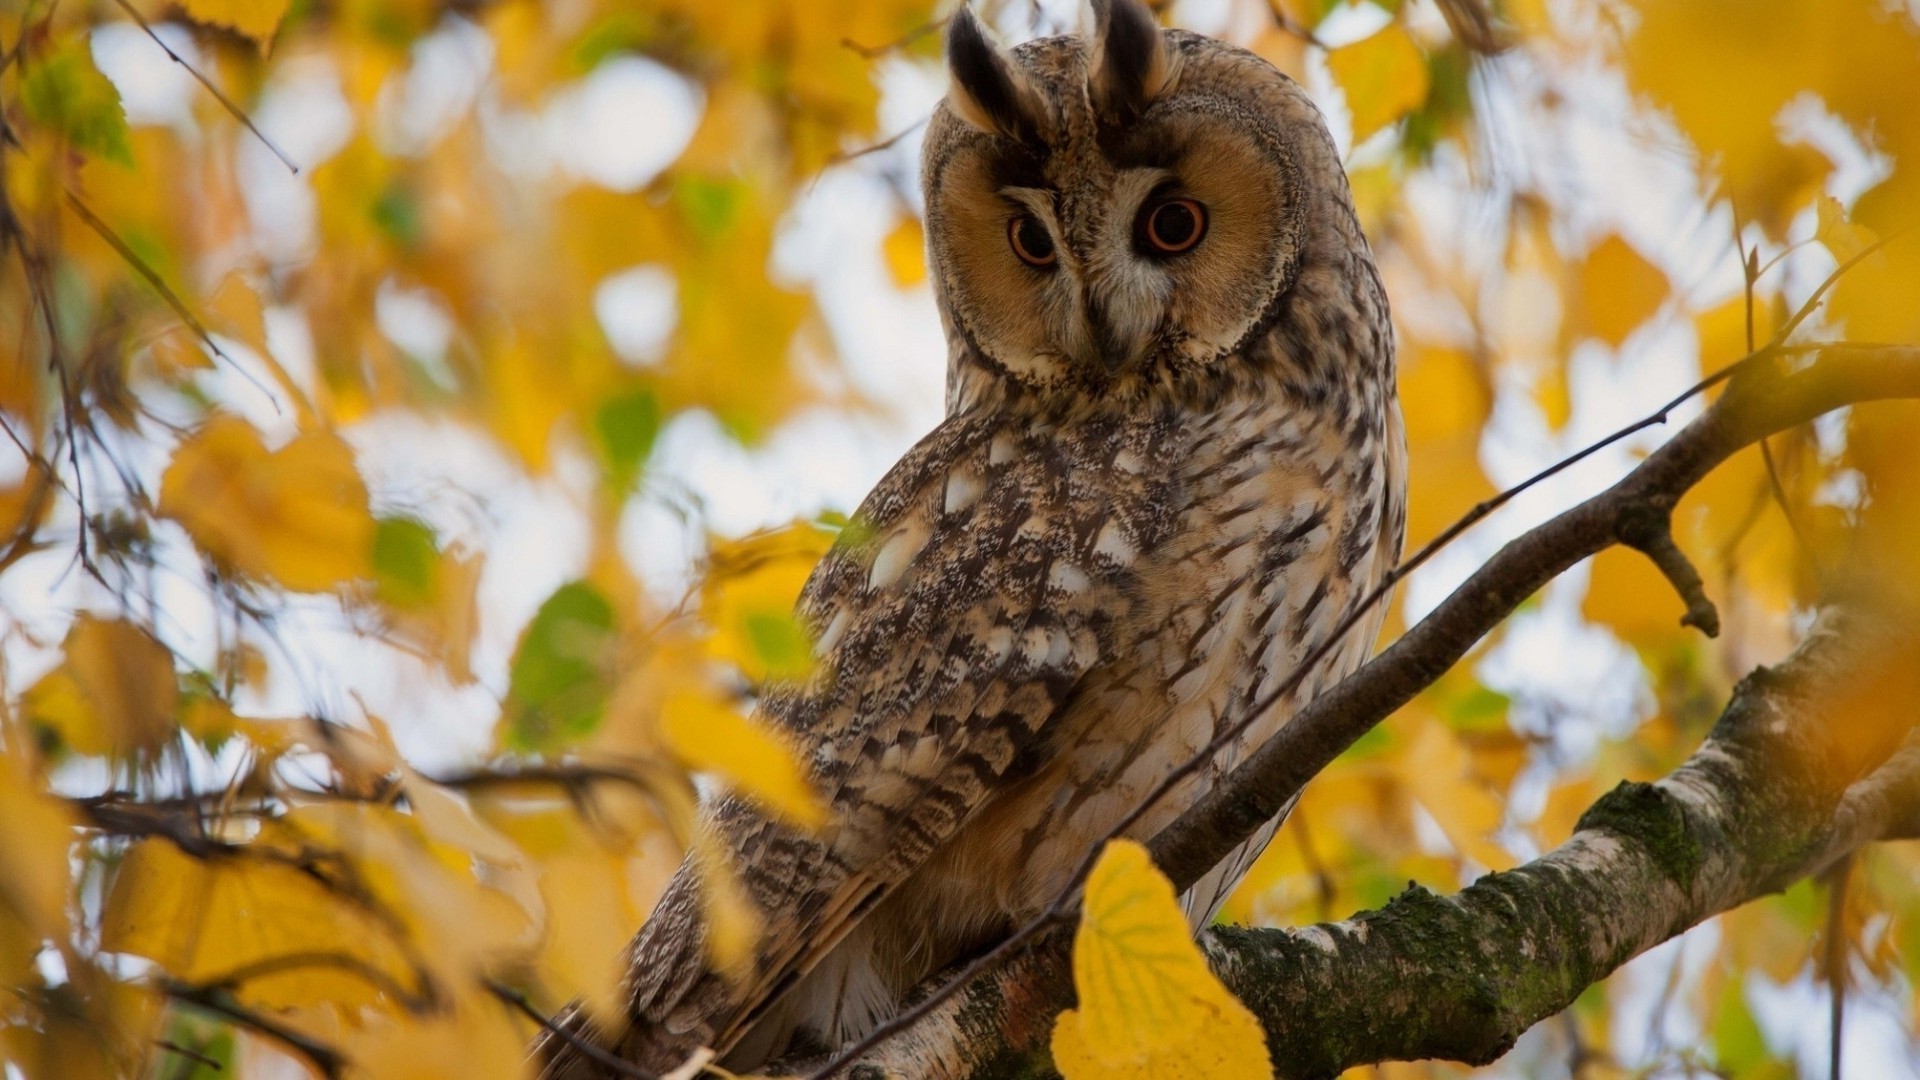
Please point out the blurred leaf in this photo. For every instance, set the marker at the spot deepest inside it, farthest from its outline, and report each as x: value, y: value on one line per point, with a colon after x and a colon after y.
x: 1840, y: 236
x: 709, y: 735
x: 748, y: 599
x: 114, y: 694
x: 1149, y: 1008
x: 256, y: 19
x: 202, y: 920
x: 1448, y: 403
x: 34, y: 883
x: 560, y: 676
x: 65, y: 92
x: 1619, y: 290
x: 905, y: 249
x: 297, y: 515
x: 237, y: 310
x: 1438, y: 770
x: 1384, y: 77
x: 626, y: 426
x: 406, y: 561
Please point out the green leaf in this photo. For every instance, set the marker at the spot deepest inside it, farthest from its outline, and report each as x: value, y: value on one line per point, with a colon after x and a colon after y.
x: 406, y: 560
x: 626, y: 427
x: 557, y: 691
x: 780, y: 642
x: 210, y: 1041
x: 1738, y: 1046
x: 63, y: 90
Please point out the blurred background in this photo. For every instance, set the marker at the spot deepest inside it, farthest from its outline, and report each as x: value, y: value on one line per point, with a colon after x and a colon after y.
x: 462, y: 390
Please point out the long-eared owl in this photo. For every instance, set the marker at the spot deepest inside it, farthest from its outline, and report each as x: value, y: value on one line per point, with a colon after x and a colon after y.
x: 1172, y: 464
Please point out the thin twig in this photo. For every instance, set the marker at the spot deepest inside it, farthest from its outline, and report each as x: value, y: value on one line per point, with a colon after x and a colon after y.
x: 874, y: 52
x: 325, y: 1059
x: 179, y: 306
x: 1836, y: 961
x: 236, y: 111
x: 1062, y: 903
x: 519, y: 1001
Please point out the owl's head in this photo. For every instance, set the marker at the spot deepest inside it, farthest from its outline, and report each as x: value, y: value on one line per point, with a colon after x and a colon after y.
x: 1138, y: 200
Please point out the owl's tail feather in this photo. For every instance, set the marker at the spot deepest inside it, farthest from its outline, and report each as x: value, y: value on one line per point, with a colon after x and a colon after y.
x: 669, y: 990
x: 1202, y: 902
x: 678, y: 1003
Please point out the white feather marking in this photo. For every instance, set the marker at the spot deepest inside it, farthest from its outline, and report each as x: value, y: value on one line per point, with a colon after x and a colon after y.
x: 1113, y: 544
x: 831, y: 635
x: 1067, y: 578
x: 1001, y: 451
x: 963, y: 490
x: 893, y: 558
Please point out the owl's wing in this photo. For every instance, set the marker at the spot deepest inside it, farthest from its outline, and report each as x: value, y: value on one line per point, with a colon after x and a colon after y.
x: 979, y: 583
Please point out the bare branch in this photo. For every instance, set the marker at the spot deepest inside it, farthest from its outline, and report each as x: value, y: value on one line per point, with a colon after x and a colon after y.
x: 1766, y: 801
x: 325, y: 1060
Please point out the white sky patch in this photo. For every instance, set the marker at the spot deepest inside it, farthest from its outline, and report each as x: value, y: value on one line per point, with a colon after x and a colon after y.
x: 623, y: 123
x: 417, y: 323
x: 153, y: 89
x: 448, y: 70
x: 306, y: 115
x: 637, y: 309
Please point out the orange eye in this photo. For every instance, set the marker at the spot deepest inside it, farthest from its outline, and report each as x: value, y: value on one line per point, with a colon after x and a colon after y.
x: 1174, y: 226
x: 1031, y: 241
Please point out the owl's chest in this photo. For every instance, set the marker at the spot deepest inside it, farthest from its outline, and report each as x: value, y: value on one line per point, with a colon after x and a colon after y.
x: 1279, y: 528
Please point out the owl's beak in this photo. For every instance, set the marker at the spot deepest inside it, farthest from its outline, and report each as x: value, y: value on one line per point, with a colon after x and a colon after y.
x: 1113, y: 337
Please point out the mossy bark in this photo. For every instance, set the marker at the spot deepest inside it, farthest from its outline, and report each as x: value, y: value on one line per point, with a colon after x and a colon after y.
x: 1799, y: 770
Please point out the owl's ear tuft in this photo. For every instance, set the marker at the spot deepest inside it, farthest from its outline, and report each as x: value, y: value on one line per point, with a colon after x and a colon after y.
x: 988, y: 91
x: 1130, y: 63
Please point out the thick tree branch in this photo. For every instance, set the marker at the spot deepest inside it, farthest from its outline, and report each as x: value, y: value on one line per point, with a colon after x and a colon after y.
x: 1806, y: 764
x: 1779, y: 390
x: 1000, y: 1023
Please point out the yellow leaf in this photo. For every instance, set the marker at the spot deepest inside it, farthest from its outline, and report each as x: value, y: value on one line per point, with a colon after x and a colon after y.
x: 1383, y: 76
x: 467, y: 1038
x: 1628, y: 594
x: 256, y: 19
x: 1841, y: 236
x: 1723, y: 330
x: 597, y: 880
x: 1438, y: 771
x: 34, y: 881
x: 1620, y: 289
x: 906, y: 251
x: 202, y: 920
x: 1690, y: 56
x: 236, y: 309
x: 297, y: 515
x: 1446, y: 400
x: 748, y: 597
x: 1149, y: 1007
x: 430, y: 889
x: 708, y: 735
x: 115, y: 693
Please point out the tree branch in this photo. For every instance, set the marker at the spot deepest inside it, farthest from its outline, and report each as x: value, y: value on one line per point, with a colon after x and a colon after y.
x: 1002, y: 1020
x: 1799, y: 770
x: 1779, y: 389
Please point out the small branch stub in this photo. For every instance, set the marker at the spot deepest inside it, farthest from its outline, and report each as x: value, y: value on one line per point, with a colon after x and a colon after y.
x: 1650, y: 532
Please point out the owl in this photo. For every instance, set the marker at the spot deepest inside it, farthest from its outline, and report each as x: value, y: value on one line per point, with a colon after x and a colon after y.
x: 1172, y: 465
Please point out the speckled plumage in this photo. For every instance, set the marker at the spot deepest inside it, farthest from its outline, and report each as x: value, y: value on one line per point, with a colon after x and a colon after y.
x: 1161, y: 483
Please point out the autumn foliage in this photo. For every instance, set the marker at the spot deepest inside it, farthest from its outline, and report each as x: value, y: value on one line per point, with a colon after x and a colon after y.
x: 352, y: 715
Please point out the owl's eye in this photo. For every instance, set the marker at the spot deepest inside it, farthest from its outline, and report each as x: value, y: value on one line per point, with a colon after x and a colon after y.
x: 1173, y: 226
x: 1031, y: 241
